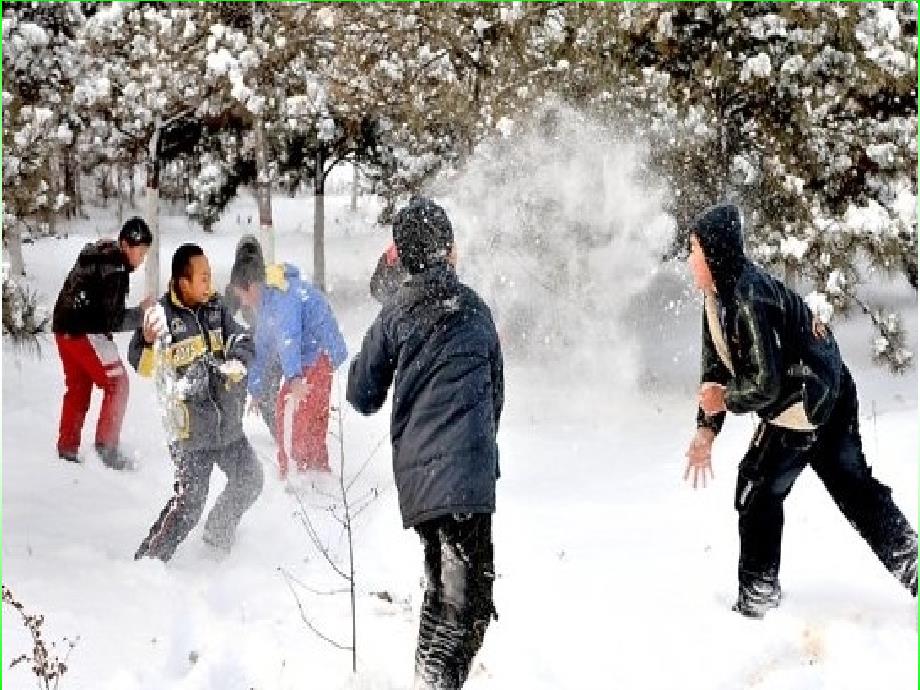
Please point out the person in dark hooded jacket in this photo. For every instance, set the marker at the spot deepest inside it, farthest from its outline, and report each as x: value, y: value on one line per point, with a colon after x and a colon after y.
x: 437, y: 338
x: 764, y: 352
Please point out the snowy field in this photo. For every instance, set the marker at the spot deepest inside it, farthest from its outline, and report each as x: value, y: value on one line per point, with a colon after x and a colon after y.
x: 612, y: 573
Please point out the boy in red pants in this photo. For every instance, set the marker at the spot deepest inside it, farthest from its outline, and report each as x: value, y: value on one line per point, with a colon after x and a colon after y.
x: 89, y: 308
x: 295, y: 324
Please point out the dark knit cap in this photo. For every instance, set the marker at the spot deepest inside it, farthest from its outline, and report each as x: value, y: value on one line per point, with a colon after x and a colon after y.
x: 422, y: 233
x: 248, y: 264
x: 136, y: 232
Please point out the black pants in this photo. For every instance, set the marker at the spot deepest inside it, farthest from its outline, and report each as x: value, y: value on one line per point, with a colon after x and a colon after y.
x: 271, y: 384
x: 768, y: 471
x: 457, y: 607
x: 193, y: 476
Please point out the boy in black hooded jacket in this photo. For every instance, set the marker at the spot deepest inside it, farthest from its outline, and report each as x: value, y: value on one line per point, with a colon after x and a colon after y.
x: 763, y: 352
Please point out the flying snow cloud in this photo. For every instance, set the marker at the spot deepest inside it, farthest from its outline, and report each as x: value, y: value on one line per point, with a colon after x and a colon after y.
x: 559, y: 227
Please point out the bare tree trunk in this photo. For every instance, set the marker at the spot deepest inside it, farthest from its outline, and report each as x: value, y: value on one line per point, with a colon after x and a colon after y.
x: 120, y: 192
x: 13, y: 233
x: 77, y: 186
x: 354, y: 187
x: 264, y: 195
x: 152, y: 274
x: 69, y: 186
x: 54, y: 176
x: 131, y: 189
x: 319, y: 243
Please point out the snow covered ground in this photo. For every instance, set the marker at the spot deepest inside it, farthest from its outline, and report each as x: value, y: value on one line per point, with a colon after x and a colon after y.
x: 612, y: 573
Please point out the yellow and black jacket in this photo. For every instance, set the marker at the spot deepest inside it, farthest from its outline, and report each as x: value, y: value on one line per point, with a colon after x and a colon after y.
x: 210, y: 404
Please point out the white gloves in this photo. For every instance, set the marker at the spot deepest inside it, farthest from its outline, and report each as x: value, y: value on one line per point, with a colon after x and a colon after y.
x: 155, y: 320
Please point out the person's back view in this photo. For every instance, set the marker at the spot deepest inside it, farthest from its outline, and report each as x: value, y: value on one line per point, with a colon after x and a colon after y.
x: 436, y: 336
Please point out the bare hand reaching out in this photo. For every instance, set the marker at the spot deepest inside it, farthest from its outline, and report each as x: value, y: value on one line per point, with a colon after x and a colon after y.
x: 699, y: 457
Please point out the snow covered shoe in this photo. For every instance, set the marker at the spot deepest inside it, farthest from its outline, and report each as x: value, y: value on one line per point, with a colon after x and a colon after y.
x: 220, y: 544
x: 114, y: 459
x: 903, y: 562
x: 755, y: 601
x: 69, y: 457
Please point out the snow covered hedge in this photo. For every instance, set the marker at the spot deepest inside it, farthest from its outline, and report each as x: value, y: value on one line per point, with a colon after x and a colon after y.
x: 24, y: 317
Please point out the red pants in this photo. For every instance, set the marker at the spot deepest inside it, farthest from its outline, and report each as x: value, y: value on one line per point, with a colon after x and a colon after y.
x: 91, y: 360
x: 301, y: 429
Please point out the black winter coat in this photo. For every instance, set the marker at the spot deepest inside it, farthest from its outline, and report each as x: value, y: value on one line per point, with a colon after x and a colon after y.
x: 438, y: 339
x: 92, y: 299
x: 776, y: 358
x: 210, y: 405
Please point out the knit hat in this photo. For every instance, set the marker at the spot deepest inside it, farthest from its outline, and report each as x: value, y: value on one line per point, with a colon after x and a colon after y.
x: 422, y: 233
x: 135, y: 232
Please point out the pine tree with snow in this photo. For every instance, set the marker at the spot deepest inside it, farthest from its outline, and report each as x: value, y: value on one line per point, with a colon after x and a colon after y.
x: 41, y: 62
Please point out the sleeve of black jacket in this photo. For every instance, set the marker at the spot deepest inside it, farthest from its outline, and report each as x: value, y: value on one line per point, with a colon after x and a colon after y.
x: 378, y: 285
x: 113, y: 291
x: 132, y: 319
x: 136, y: 349
x: 371, y: 370
x: 758, y: 383
x: 239, y: 342
x: 712, y: 371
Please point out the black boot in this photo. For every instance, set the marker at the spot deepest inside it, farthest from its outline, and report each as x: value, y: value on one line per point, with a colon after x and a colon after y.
x: 757, y: 595
x: 902, y: 562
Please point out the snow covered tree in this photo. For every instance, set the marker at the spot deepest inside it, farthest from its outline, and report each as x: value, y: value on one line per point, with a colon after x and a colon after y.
x: 142, y: 74
x: 41, y: 61
x: 803, y: 113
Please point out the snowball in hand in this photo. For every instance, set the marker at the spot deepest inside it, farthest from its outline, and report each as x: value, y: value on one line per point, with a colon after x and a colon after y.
x: 233, y: 369
x: 155, y: 319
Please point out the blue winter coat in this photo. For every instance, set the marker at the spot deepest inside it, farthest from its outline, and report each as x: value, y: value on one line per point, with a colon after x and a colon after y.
x: 438, y: 339
x: 295, y: 323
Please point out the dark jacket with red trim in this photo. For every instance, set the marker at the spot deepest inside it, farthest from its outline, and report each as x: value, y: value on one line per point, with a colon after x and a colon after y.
x: 92, y: 299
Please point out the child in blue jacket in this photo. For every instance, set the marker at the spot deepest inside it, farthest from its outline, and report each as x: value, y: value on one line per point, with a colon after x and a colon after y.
x: 294, y: 324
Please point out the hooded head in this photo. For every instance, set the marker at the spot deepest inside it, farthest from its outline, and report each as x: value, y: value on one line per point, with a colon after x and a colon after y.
x: 247, y: 274
x: 248, y: 263
x: 719, y: 232
x: 423, y: 234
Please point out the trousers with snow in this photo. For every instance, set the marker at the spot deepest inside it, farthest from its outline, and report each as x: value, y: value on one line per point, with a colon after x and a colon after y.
x: 91, y: 360
x: 183, y: 510
x: 301, y: 427
x: 457, y: 606
x: 765, y: 477
x: 271, y: 381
